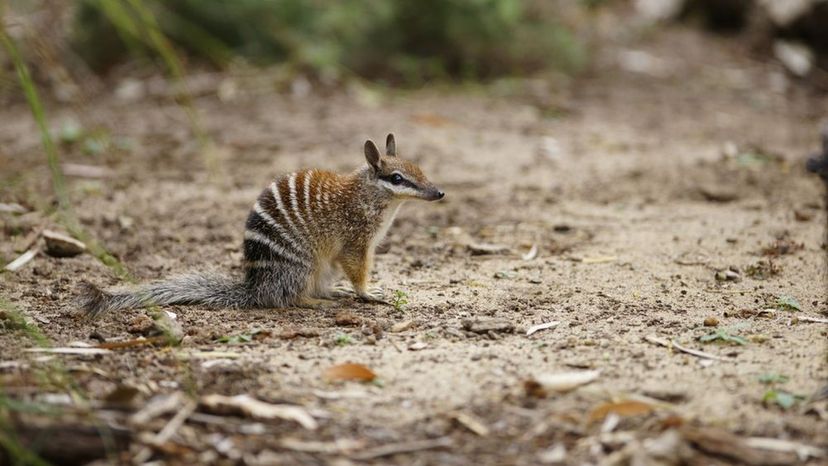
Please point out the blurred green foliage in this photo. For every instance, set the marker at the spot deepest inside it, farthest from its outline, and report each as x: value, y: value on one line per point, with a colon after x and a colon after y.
x: 401, y: 40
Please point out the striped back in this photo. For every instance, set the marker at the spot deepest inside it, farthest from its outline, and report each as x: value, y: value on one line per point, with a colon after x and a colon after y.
x: 286, y: 221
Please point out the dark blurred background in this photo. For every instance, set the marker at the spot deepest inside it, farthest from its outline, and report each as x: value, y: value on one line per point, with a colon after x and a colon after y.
x: 73, y: 45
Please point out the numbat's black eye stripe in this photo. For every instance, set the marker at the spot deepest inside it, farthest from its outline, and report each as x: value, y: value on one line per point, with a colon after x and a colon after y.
x: 403, y: 182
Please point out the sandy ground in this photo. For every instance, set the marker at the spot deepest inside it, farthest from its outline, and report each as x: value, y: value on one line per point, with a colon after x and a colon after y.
x: 636, y: 188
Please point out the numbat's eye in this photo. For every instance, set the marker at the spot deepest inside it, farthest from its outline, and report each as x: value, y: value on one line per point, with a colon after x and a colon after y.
x: 396, y: 179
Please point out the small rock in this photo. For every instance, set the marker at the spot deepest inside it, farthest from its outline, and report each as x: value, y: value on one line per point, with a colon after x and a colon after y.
x: 669, y: 395
x: 488, y: 325
x: 420, y: 345
x: 711, y: 322
x: 658, y: 10
x: 402, y: 326
x: 718, y: 194
x: 125, y: 222
x: 803, y: 216
x: 549, y: 148
x: 291, y: 333
x: 554, y: 455
x: 482, y: 249
x: 783, y: 13
x: 12, y: 208
x: 141, y: 325
x: 728, y: 276
x: 60, y: 245
x: 797, y: 58
x: 131, y: 90
x: 347, y: 319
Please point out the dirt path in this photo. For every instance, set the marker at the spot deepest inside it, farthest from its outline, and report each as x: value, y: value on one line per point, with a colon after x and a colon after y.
x: 623, y: 189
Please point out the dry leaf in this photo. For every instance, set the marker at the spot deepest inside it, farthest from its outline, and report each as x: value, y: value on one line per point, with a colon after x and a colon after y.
x: 622, y: 408
x: 472, y: 423
x: 402, y: 326
x: 349, y: 372
x: 420, y: 345
x: 249, y: 406
x: 539, y: 327
x: 598, y: 259
x: 565, y: 381
x: 531, y: 254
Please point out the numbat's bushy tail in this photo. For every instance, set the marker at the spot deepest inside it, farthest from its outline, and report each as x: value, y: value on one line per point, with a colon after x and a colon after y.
x: 209, y: 290
x: 303, y: 228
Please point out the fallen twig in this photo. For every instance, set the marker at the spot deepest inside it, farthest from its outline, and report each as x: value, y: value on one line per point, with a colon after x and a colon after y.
x: 249, y: 406
x: 816, y: 320
x: 403, y: 447
x: 803, y: 451
x: 167, y: 432
x: 136, y: 342
x: 22, y: 260
x: 157, y: 406
x: 80, y: 351
x: 337, y: 446
x: 673, y: 344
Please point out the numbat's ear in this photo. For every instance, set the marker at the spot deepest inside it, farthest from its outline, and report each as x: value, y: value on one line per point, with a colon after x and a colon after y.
x: 390, y: 145
x: 372, y: 154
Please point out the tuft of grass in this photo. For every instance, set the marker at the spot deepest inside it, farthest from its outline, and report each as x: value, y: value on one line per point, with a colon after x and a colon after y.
x: 776, y: 396
x: 399, y: 300
x: 343, y: 339
x: 723, y: 336
x: 787, y: 303
x: 781, y: 398
x: 10, y: 445
x: 772, y: 378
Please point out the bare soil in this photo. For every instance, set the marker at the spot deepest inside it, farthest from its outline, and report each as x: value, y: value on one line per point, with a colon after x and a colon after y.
x: 628, y: 184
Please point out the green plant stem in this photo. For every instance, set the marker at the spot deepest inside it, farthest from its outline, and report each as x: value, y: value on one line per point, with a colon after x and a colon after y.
x: 58, y: 181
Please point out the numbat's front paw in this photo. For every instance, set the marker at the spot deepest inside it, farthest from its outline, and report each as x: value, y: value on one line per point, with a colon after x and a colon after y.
x: 341, y: 291
x: 374, y: 295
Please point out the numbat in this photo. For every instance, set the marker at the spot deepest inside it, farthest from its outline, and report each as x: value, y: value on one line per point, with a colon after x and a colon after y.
x: 303, y: 229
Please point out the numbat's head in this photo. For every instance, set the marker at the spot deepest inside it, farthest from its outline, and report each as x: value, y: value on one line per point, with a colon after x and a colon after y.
x: 401, y: 178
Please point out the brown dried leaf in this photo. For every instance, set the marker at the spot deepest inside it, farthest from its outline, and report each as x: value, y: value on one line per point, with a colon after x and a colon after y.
x: 349, y: 372
x: 624, y: 408
x: 431, y: 119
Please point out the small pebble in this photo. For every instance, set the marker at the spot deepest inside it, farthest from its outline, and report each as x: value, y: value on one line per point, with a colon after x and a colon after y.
x: 60, y: 245
x: 711, y: 322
